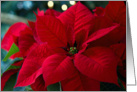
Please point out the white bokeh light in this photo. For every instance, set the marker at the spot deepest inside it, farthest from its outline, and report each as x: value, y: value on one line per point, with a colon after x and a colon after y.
x: 50, y: 4
x: 72, y: 2
x: 64, y: 7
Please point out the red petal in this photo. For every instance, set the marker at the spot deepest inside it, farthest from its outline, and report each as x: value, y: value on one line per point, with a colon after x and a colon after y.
x: 51, y: 30
x: 28, y: 77
x: 101, y: 22
x: 116, y: 10
x: 99, y: 11
x: 39, y: 84
x: 70, y: 36
x: 73, y: 83
x: 78, y: 16
x: 15, y: 55
x: 81, y: 37
x: 57, y: 65
x: 26, y: 40
x: 122, y: 70
x: 98, y: 63
x: 31, y: 24
x: 79, y: 82
x: 35, y: 35
x: 6, y: 75
x: 100, y: 33
x: 14, y: 30
x: 18, y: 63
x: 40, y: 13
x: 119, y: 49
x: 115, y: 36
x: 31, y: 67
x: 90, y: 84
x: 52, y: 12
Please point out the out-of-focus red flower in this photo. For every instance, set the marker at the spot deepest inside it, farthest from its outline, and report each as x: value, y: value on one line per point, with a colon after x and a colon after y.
x: 14, y: 34
x: 72, y: 47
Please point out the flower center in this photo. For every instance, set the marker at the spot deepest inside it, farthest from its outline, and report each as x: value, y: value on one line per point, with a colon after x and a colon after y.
x: 73, y: 50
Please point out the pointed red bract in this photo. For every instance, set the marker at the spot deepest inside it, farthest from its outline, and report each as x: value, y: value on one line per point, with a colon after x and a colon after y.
x: 31, y: 24
x: 51, y: 30
x: 18, y: 63
x: 6, y: 75
x: 73, y: 83
x: 90, y: 84
x: 39, y: 84
x: 102, y: 32
x: 35, y: 35
x: 70, y: 35
x: 116, y: 11
x: 98, y: 63
x: 79, y: 82
x: 52, y: 12
x: 57, y: 65
x: 40, y: 13
x: 14, y: 30
x: 31, y: 67
x: 81, y: 37
x: 101, y: 22
x: 16, y: 55
x: 78, y: 16
x: 119, y: 49
x: 26, y: 40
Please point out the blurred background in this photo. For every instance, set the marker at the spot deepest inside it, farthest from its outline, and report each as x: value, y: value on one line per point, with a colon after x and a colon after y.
x: 21, y: 11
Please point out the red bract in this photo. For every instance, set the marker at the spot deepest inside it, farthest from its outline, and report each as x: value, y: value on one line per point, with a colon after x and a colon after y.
x: 70, y: 47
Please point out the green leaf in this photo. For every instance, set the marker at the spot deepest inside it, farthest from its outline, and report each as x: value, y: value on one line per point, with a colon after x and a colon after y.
x: 54, y: 87
x: 13, y: 67
x: 121, y: 85
x: 8, y: 65
x: 19, y: 89
x: 14, y: 49
x: 28, y: 88
x: 10, y: 83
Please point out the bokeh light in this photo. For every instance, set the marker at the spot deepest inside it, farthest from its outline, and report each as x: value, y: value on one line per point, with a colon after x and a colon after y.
x: 50, y: 4
x: 72, y: 2
x: 27, y: 5
x: 64, y: 7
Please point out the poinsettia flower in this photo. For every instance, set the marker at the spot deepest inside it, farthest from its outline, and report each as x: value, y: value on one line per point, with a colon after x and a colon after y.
x: 62, y: 53
x: 13, y: 33
x: 115, y: 11
x: 24, y: 37
x: 72, y: 47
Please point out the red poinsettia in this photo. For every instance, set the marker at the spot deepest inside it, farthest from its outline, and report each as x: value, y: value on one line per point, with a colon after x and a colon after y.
x: 12, y: 36
x: 72, y: 47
